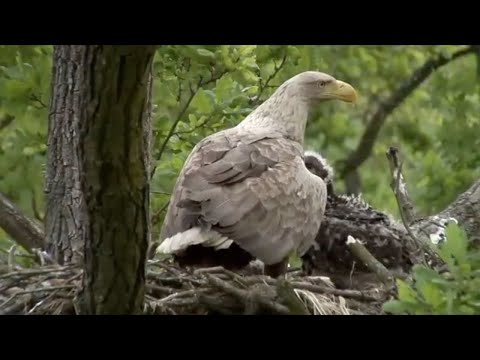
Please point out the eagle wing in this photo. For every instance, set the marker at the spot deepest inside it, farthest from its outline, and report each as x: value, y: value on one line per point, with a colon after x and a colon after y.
x: 252, y: 188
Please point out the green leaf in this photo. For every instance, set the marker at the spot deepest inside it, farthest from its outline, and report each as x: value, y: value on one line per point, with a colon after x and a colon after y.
x: 432, y: 295
x: 397, y: 307
x: 394, y: 307
x: 454, y: 250
x: 405, y: 292
x: 203, y: 102
x: 206, y: 53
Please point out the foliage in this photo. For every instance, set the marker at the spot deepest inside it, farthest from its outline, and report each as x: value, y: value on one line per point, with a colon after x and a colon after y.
x: 454, y: 292
x: 25, y: 73
x: 202, y: 89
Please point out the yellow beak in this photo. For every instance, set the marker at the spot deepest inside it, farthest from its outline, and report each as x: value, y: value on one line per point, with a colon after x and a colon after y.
x: 342, y: 91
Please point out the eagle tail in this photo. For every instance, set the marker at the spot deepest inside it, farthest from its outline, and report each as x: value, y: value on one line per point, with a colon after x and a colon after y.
x: 194, y: 236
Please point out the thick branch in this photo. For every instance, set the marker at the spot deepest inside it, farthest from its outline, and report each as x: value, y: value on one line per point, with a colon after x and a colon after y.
x: 19, y: 227
x: 369, y: 260
x: 466, y: 210
x: 364, y: 148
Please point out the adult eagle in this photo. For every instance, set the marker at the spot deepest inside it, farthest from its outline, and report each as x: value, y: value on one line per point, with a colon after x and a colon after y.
x: 244, y: 193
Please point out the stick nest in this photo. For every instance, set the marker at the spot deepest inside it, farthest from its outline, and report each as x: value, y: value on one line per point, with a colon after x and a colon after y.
x: 51, y: 290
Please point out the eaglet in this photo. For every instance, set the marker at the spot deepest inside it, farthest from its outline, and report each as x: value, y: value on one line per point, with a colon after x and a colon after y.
x: 351, y: 215
x: 245, y: 193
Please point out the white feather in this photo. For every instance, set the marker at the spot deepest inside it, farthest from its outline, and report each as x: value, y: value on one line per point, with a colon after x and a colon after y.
x: 194, y: 236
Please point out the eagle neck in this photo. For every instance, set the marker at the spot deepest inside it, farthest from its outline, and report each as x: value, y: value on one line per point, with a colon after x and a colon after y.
x: 286, y: 111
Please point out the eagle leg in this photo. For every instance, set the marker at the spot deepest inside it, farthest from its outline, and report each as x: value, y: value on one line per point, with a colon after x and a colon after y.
x: 278, y: 269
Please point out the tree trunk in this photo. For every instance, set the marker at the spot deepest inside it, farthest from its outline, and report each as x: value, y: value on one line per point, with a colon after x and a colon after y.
x: 98, y: 176
x: 64, y: 223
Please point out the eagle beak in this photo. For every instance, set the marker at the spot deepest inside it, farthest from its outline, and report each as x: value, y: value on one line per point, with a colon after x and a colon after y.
x: 343, y: 91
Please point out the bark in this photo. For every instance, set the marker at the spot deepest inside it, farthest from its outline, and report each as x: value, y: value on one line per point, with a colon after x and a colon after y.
x: 22, y: 229
x: 466, y: 210
x: 98, y: 180
x: 64, y: 228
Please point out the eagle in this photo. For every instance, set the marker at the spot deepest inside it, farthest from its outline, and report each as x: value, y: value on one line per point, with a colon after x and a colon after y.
x: 244, y: 193
x: 351, y: 215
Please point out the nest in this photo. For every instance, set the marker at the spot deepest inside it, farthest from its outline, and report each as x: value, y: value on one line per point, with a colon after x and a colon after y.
x: 51, y: 290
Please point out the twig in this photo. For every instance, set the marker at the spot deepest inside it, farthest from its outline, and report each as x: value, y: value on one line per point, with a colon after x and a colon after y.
x: 181, y: 302
x: 161, y: 289
x: 181, y: 294
x: 41, y: 302
x: 263, y: 86
x: 361, y: 252
x: 36, y: 98
x: 11, y: 257
x: 191, y: 130
x: 12, y: 309
x: 354, y: 294
x: 245, y: 296
x: 27, y: 273
x: 168, y: 268
x: 182, y: 112
x: 40, y: 289
x: 399, y: 186
x: 158, y: 192
x: 273, y: 75
x: 211, y: 270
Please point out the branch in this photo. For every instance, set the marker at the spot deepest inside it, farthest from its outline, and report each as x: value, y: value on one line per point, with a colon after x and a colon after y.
x: 369, y: 260
x: 175, y: 123
x: 191, y: 130
x: 19, y: 227
x: 263, y: 86
x: 405, y: 205
x: 182, y: 112
x: 36, y: 98
x: 364, y: 148
x: 272, y: 76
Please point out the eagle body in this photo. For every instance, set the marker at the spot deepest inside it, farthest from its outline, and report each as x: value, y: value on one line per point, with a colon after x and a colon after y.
x: 245, y: 193
x: 247, y: 188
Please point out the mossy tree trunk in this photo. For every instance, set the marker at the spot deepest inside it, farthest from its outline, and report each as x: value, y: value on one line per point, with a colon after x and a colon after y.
x: 98, y: 174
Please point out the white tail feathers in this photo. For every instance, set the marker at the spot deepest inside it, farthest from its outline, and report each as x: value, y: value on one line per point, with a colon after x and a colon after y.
x: 194, y: 236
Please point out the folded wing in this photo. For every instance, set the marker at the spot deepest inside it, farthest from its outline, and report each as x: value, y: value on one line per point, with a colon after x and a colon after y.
x: 251, y: 188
